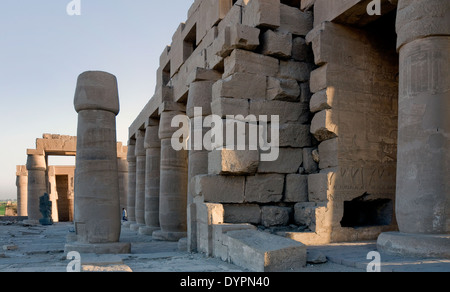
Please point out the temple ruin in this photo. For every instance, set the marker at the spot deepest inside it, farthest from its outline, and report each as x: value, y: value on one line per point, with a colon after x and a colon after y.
x: 359, y: 103
x: 37, y: 178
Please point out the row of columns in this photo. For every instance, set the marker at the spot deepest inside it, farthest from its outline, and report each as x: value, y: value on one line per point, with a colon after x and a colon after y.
x: 160, y: 177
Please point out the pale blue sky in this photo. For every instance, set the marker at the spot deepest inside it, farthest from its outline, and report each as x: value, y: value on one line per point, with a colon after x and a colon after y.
x: 43, y: 50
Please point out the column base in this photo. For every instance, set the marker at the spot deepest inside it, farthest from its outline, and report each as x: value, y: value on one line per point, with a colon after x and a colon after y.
x: 135, y: 226
x: 99, y: 248
x: 168, y: 235
x: 415, y: 245
x: 30, y: 222
x: 127, y: 224
x: 147, y: 230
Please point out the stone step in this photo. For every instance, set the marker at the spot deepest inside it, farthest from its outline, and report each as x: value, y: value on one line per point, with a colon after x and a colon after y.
x: 262, y: 252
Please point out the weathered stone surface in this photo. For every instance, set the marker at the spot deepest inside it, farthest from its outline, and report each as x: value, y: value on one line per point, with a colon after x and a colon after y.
x: 274, y: 216
x: 242, y: 213
x: 227, y: 161
x: 264, y: 188
x: 299, y: 71
x: 289, y: 161
x: 263, y: 252
x: 294, y: 20
x: 236, y: 36
x: 296, y: 188
x: 277, y: 44
x: 318, y: 186
x: 220, y: 189
x: 294, y: 135
x: 300, y: 50
x: 328, y: 151
x: 262, y: 13
x: 282, y: 89
x: 250, y: 62
x: 323, y: 126
x: 286, y: 111
x: 241, y: 85
x: 309, y: 164
x: 224, y: 106
x: 304, y: 214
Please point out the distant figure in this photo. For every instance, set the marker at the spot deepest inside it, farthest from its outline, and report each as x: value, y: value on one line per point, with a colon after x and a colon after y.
x: 124, y: 215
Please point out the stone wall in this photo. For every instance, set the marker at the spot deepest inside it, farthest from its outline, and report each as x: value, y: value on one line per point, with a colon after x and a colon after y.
x: 330, y: 88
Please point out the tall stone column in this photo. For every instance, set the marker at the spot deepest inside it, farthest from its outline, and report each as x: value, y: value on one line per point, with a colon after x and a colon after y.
x: 140, y: 182
x: 152, y: 145
x: 198, y: 106
x: 173, y: 179
x: 37, y: 186
x: 97, y: 202
x: 22, y: 190
x: 131, y: 196
x: 423, y: 167
x: 122, y: 165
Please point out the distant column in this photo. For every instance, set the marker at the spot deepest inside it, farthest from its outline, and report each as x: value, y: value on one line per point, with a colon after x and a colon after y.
x: 131, y: 195
x: 152, y: 146
x: 140, y: 181
x: 122, y: 165
x: 97, y: 202
x: 37, y: 186
x: 173, y: 179
x: 22, y: 190
x: 423, y: 163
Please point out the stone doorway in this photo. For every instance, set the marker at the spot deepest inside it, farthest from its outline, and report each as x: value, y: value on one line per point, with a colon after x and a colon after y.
x: 65, y: 206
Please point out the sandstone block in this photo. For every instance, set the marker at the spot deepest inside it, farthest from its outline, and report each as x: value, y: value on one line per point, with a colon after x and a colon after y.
x: 282, y: 89
x: 241, y: 85
x: 236, y: 36
x: 262, y: 13
x: 305, y: 213
x: 323, y: 127
x: 263, y: 252
x: 250, y: 62
x: 321, y: 100
x: 264, y: 188
x: 220, y: 189
x: 275, y: 216
x: 224, y: 106
x: 242, y: 213
x: 227, y: 161
x: 328, y: 151
x: 318, y: 186
x: 309, y: 164
x: 300, y: 50
x: 299, y: 71
x: 295, y: 21
x: 277, y: 44
x: 286, y: 111
x: 296, y: 188
x: 294, y: 135
x: 289, y: 161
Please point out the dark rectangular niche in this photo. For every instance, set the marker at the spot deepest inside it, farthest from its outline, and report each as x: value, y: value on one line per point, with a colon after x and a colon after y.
x: 363, y: 212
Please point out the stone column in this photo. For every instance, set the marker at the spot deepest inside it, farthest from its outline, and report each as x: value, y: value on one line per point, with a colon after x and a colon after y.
x: 131, y: 196
x: 173, y: 179
x: 198, y: 106
x: 122, y: 166
x: 140, y: 181
x: 97, y: 202
x: 37, y: 185
x: 22, y: 190
x: 423, y: 167
x: 52, y: 192
x: 152, y: 146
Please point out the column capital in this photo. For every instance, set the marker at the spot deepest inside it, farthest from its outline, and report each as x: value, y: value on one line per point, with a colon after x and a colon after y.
x: 421, y: 18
